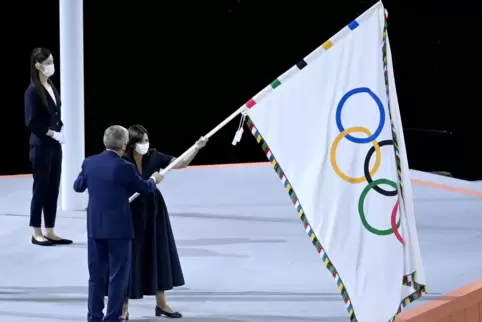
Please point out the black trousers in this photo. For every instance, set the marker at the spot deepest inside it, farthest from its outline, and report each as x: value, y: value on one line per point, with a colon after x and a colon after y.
x: 47, y: 168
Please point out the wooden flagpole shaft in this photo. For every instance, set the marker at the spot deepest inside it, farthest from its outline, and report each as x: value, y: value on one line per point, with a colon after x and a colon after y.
x: 191, y: 149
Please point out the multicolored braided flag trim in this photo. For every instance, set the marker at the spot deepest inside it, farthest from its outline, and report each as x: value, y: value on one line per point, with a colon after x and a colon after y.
x: 408, y: 279
x: 387, y: 86
x: 319, y: 248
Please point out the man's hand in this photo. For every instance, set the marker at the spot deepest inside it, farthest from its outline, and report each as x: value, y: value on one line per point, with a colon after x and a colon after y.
x: 201, y: 143
x: 157, y: 177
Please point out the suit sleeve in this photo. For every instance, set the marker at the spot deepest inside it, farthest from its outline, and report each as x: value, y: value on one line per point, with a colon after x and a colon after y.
x: 31, y: 114
x: 133, y: 182
x: 80, y: 184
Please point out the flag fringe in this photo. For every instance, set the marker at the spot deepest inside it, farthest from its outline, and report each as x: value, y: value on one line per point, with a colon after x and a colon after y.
x: 408, y: 280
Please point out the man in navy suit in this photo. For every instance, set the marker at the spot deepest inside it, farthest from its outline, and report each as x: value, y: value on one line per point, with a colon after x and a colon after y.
x: 110, y: 181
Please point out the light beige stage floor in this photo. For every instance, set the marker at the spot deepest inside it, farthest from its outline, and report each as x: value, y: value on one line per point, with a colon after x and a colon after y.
x: 245, y: 254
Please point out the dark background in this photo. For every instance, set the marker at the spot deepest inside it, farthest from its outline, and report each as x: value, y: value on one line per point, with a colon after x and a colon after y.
x: 179, y: 68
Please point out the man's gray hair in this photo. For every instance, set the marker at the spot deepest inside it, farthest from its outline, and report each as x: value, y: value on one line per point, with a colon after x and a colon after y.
x: 115, y: 137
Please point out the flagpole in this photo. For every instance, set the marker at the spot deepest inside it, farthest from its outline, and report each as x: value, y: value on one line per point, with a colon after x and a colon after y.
x: 191, y: 149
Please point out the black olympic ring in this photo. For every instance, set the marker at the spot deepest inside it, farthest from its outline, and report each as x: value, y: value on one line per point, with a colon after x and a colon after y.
x: 366, y: 169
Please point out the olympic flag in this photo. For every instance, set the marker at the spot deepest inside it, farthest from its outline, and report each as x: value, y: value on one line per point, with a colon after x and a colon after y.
x: 331, y: 128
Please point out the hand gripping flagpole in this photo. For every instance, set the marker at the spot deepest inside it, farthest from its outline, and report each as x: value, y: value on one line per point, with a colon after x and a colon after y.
x: 191, y: 149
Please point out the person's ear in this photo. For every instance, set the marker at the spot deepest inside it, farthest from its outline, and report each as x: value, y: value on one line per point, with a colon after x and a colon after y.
x: 38, y: 66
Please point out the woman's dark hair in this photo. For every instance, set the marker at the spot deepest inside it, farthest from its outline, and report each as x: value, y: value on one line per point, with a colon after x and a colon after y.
x: 38, y: 56
x: 136, y: 133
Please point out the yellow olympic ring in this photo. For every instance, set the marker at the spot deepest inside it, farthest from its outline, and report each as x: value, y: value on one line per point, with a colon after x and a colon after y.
x: 378, y: 154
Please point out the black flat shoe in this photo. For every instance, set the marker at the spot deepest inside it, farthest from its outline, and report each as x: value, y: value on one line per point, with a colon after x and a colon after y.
x: 174, y: 315
x: 42, y: 243
x: 60, y: 241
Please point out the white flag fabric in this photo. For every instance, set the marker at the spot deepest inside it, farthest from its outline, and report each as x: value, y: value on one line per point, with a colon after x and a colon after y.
x: 331, y: 128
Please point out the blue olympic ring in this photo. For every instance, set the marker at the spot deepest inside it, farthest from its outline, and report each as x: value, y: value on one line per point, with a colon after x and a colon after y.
x: 380, y: 107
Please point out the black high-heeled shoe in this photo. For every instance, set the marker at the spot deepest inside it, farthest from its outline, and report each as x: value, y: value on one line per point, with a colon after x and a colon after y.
x: 174, y: 315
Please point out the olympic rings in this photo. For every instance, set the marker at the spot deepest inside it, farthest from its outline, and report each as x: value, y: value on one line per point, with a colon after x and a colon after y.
x: 377, y: 100
x: 361, y: 211
x: 345, y: 133
x: 368, y: 175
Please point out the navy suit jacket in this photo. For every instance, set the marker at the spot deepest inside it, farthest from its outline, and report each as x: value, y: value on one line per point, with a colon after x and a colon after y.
x: 39, y: 119
x: 110, y: 181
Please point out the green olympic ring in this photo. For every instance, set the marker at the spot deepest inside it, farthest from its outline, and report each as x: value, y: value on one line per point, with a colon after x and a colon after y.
x: 361, y: 203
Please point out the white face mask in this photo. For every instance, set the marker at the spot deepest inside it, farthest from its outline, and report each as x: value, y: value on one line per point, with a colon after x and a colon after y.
x: 49, y: 70
x: 142, y: 148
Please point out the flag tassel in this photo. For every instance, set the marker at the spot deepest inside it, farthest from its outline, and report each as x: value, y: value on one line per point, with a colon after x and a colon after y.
x: 240, y: 131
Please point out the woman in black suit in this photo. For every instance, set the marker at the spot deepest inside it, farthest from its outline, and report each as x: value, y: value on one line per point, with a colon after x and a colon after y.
x: 155, y: 264
x: 43, y: 120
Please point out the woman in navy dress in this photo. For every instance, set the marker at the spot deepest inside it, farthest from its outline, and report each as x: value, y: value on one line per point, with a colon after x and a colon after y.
x: 43, y: 120
x: 156, y: 267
